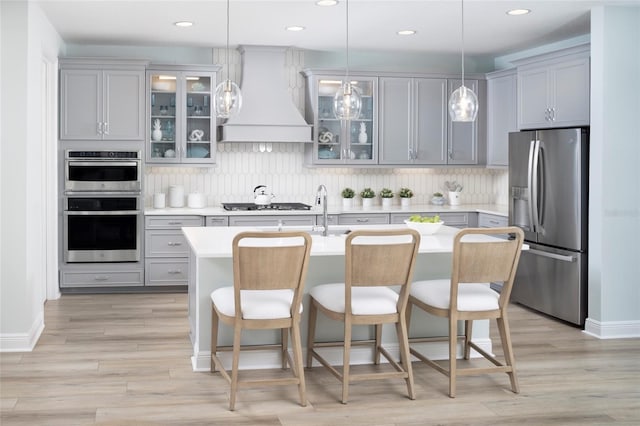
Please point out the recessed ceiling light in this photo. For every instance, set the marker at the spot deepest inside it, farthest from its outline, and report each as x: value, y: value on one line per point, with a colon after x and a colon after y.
x: 327, y: 2
x: 183, y: 24
x: 295, y: 28
x: 518, y: 12
x: 406, y: 32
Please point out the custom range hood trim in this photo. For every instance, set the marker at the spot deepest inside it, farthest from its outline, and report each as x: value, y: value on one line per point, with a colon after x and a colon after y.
x: 268, y: 113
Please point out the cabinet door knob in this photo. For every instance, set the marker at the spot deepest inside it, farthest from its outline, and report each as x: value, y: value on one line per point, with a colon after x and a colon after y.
x: 106, y: 128
x: 99, y: 129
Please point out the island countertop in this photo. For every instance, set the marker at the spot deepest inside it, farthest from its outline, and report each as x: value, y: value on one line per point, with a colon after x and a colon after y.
x: 211, y: 267
x: 216, y: 241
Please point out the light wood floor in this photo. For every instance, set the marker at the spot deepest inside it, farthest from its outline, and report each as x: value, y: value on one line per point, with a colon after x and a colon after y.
x: 124, y: 360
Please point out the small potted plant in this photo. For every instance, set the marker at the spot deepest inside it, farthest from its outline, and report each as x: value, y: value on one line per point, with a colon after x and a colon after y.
x: 387, y: 197
x: 347, y: 198
x: 405, y: 195
x: 367, y: 195
x: 437, y: 199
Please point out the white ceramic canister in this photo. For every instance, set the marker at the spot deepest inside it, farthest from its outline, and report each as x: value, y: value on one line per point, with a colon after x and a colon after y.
x: 176, y: 196
x: 159, y: 200
x: 196, y: 200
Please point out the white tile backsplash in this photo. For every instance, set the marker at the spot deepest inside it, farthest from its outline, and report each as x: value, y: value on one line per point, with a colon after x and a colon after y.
x: 239, y: 169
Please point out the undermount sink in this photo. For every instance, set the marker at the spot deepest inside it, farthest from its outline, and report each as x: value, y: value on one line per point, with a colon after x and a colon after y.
x: 331, y: 233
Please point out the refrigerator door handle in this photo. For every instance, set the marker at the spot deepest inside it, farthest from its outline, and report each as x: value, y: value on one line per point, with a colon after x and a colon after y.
x: 534, y: 168
x: 530, y: 165
x: 570, y: 258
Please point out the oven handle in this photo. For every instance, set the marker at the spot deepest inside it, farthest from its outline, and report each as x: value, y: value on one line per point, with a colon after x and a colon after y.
x: 103, y: 163
x: 102, y: 213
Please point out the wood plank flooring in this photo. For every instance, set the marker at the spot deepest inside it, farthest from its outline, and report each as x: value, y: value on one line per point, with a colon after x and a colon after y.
x: 125, y: 360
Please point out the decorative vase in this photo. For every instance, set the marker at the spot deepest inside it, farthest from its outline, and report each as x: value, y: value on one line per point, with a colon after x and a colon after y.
x: 386, y: 203
x: 367, y: 203
x: 405, y: 203
x: 454, y: 198
x: 156, y: 135
x: 362, y: 137
x: 347, y: 203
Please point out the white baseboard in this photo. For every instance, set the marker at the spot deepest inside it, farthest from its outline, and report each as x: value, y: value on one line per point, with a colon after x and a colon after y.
x: 612, y: 329
x: 23, y: 342
x: 359, y: 355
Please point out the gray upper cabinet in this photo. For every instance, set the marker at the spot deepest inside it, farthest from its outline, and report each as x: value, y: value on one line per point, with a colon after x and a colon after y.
x: 412, y: 121
x: 462, y: 137
x: 181, y: 119
x: 337, y: 142
x: 502, y: 115
x: 553, y: 90
x: 102, y: 100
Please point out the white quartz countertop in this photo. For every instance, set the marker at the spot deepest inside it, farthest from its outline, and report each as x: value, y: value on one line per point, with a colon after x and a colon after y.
x: 497, y: 209
x: 210, y: 242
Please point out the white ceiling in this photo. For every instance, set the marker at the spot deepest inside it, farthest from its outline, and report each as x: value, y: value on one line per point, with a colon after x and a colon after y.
x: 372, y: 24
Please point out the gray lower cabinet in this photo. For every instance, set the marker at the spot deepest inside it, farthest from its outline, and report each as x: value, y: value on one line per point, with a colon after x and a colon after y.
x: 457, y: 219
x: 101, y: 275
x: 216, y: 221
x: 486, y: 220
x: 167, y: 250
x: 273, y: 220
x: 363, y: 219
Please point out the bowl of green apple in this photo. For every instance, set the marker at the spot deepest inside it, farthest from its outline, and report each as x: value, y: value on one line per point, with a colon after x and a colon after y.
x: 425, y: 225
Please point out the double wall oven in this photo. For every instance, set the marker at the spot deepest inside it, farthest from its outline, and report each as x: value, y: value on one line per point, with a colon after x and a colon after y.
x: 102, y: 217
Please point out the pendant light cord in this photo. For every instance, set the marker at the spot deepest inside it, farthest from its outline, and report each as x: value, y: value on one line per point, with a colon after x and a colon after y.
x: 227, y: 53
x: 347, y: 15
x: 462, y: 32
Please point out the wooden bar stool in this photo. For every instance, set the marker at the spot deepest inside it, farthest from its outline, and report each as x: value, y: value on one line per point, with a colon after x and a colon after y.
x: 374, y: 261
x: 467, y: 296
x: 269, y: 272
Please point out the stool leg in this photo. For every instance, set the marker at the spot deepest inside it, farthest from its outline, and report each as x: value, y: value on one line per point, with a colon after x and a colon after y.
x: 346, y: 360
x: 311, y: 330
x: 234, y: 368
x: 297, y: 360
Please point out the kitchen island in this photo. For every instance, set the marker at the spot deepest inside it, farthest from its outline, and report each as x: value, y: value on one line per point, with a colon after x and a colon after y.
x: 210, y: 267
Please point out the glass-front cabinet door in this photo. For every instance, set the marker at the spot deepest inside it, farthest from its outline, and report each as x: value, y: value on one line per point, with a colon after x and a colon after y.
x: 339, y: 141
x: 181, y: 120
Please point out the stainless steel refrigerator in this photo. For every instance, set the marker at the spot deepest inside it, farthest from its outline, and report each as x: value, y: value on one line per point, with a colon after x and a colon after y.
x: 548, y: 195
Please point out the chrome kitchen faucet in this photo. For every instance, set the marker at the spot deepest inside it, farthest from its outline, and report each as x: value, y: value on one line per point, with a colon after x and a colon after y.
x: 321, y: 197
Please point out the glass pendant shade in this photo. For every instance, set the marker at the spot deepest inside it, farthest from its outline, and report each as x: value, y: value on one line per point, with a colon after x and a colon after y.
x: 463, y: 104
x: 227, y: 99
x: 347, y: 103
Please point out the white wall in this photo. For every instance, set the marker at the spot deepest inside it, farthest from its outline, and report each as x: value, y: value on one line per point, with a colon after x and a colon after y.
x: 26, y: 38
x: 614, y: 211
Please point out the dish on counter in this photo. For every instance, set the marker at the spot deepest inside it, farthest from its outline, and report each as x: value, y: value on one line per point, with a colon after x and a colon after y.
x: 425, y: 228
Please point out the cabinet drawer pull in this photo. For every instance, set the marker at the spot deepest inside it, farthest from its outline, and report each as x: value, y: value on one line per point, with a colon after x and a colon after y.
x: 174, y: 271
x: 365, y: 220
x: 494, y: 222
x: 172, y: 244
x: 175, y: 223
x: 100, y: 278
x: 106, y: 128
x: 99, y: 129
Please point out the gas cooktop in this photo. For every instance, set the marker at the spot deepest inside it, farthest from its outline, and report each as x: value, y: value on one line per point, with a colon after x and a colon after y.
x: 272, y: 206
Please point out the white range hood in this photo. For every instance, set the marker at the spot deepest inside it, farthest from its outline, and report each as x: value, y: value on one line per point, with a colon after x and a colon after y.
x: 268, y: 113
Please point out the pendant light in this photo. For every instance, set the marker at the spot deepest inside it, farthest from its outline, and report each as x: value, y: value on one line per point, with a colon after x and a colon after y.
x: 227, y: 99
x: 347, y: 102
x: 463, y: 103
